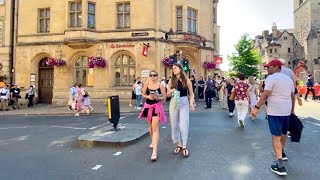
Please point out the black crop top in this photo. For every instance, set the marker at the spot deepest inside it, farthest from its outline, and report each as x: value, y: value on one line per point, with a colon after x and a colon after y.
x: 183, y: 90
x: 157, y: 92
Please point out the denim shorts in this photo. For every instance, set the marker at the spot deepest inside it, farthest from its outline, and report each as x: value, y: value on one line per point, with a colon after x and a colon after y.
x: 278, y: 125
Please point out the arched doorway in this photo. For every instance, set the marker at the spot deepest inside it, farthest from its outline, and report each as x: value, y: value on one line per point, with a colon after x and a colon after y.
x: 45, y: 93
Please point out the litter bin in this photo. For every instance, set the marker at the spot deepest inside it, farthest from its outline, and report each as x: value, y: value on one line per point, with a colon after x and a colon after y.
x: 114, y: 110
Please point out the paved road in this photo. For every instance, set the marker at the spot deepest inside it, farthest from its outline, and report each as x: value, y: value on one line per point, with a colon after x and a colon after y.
x: 36, y: 147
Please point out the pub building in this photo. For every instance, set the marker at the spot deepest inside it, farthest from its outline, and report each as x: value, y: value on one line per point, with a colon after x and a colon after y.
x: 56, y: 60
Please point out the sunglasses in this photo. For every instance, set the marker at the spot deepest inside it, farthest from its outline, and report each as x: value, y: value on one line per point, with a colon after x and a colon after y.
x: 153, y: 75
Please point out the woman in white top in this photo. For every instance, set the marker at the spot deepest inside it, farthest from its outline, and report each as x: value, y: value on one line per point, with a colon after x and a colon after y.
x: 253, y: 95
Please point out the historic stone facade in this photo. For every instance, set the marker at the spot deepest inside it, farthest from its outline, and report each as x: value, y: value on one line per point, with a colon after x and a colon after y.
x: 307, y: 31
x: 116, y: 30
x: 5, y: 33
x: 277, y: 44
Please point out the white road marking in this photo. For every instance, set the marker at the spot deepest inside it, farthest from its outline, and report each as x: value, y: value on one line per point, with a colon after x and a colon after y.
x: 66, y: 127
x: 95, y: 127
x: 23, y: 127
x: 315, y: 131
x: 122, y: 127
x: 164, y: 127
x: 96, y: 167
x: 117, y: 153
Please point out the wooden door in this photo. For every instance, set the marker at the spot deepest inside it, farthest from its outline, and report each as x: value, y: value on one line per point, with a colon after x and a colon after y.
x: 45, y: 85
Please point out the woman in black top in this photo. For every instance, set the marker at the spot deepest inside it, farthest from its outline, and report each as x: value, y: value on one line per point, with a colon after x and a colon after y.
x: 201, y: 88
x: 154, y: 93
x: 231, y: 104
x: 180, y: 106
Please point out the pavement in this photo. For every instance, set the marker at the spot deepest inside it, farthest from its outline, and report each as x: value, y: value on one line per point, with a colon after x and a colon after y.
x: 127, y: 133
x: 41, y: 147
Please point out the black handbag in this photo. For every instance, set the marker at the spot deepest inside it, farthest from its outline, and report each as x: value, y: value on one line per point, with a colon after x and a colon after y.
x: 26, y: 96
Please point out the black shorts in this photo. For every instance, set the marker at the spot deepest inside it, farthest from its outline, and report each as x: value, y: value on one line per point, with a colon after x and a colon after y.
x: 145, y: 112
x: 133, y: 95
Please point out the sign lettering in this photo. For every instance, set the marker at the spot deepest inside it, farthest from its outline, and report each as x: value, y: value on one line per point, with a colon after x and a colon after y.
x: 121, y: 45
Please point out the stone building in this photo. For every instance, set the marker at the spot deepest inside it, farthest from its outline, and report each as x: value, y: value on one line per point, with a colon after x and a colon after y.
x: 5, y: 37
x: 279, y: 43
x: 307, y: 32
x: 120, y: 31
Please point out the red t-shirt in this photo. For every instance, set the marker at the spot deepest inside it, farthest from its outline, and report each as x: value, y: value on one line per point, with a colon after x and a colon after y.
x: 241, y: 89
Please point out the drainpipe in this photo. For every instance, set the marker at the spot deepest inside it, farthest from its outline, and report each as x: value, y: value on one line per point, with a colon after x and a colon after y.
x: 12, y: 33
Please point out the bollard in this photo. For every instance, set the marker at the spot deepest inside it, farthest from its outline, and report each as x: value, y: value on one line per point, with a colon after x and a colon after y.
x: 114, y: 110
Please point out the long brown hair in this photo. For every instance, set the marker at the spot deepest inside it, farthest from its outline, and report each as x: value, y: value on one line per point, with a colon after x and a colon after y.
x: 183, y: 78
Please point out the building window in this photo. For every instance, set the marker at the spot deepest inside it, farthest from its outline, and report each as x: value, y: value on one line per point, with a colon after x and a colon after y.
x: 270, y: 51
x: 214, y: 15
x: 123, y: 15
x: 91, y: 15
x: 289, y: 50
x: 75, y: 14
x: 44, y: 20
x: 1, y: 30
x: 285, y: 38
x: 275, y: 50
x: 192, y: 20
x: 125, y: 70
x: 84, y: 74
x: 179, y: 19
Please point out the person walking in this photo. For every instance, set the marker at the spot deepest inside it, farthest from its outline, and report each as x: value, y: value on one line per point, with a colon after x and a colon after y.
x: 253, y: 94
x: 279, y: 90
x: 138, y: 92
x: 86, y: 102
x: 15, y: 95
x: 231, y: 104
x: 72, y: 98
x: 209, y: 91
x: 80, y: 100
x: 179, y: 87
x: 133, y: 95
x: 310, y: 88
x: 241, y: 99
x: 223, y: 93
x: 4, y: 97
x: 30, y: 94
x: 154, y: 93
x: 200, y: 89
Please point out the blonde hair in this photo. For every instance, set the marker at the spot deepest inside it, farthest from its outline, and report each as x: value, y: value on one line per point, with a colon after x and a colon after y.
x: 251, y: 80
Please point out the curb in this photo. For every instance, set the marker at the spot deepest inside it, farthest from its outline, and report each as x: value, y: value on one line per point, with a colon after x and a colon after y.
x: 87, y: 143
x: 106, y: 136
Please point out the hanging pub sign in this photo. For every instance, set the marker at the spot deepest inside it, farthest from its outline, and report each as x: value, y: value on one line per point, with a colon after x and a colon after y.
x: 194, y: 38
x: 218, y: 60
x: 140, y: 34
x: 129, y: 45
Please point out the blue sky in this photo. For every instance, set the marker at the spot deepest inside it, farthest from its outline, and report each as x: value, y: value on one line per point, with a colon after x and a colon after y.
x: 237, y: 17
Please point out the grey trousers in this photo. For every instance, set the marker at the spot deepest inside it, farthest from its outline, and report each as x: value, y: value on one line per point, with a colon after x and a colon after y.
x: 179, y: 118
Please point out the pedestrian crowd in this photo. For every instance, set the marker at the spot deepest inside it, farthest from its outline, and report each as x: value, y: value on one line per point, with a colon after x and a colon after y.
x: 11, y: 95
x: 245, y: 95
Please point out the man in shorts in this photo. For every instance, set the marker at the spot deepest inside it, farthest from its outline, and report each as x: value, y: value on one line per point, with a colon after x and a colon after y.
x: 279, y: 90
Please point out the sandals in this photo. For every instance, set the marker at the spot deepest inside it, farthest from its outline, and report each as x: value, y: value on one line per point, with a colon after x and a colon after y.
x: 177, y: 150
x: 185, y: 152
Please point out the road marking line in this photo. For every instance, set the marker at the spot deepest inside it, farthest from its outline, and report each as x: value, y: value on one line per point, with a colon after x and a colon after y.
x: 23, y: 127
x: 96, y: 167
x: 126, y: 116
x: 95, y: 127
x: 315, y: 131
x: 122, y: 127
x: 66, y: 127
x: 164, y: 127
x: 118, y: 153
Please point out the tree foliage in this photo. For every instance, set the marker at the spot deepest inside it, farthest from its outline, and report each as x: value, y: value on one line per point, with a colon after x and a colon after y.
x: 246, y: 60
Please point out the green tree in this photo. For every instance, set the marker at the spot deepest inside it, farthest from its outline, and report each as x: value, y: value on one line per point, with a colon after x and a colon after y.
x: 246, y: 60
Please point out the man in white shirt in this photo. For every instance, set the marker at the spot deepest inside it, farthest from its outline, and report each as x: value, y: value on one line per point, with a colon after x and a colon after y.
x: 4, y: 96
x: 279, y: 90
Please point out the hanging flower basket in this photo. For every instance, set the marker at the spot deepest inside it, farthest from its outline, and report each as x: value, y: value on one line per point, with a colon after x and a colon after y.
x: 209, y: 65
x: 97, y: 61
x: 167, y: 62
x: 55, y: 62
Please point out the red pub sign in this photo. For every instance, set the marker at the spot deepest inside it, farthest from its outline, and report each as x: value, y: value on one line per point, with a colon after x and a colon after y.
x: 218, y: 60
x: 193, y: 38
